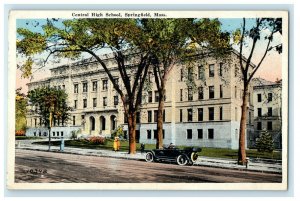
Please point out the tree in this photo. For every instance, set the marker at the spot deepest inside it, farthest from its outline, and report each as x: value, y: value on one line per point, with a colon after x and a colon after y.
x: 265, y: 142
x: 255, y: 34
x: 21, y: 110
x: 51, y: 105
x: 46, y: 100
x: 124, y: 39
x: 180, y: 41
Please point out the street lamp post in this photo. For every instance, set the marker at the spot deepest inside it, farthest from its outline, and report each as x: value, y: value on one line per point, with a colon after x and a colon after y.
x: 50, y: 125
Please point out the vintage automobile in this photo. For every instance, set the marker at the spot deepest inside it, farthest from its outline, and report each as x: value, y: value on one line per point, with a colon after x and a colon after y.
x: 187, y: 156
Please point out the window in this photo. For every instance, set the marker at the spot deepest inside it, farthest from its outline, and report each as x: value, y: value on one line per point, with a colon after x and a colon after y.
x: 57, y: 133
x: 190, y: 94
x: 40, y: 133
x: 53, y: 133
x: 249, y: 117
x: 258, y: 97
x: 200, y: 133
x: 155, y: 115
x: 259, y: 113
x: 221, y: 113
x: 269, y: 125
x: 104, y: 85
x: 75, y: 104
x: 116, y: 100
x: 125, y: 118
x: 74, y: 120
x: 235, y: 91
x: 181, y: 94
x: 200, y: 72
x: 190, y: 114
x: 76, y: 88
x: 180, y: 115
x: 200, y: 93
x: 189, y: 134
x: 104, y: 101
x: 270, y: 97
x: 61, y: 133
x: 236, y: 70
x: 84, y: 103
x: 84, y: 87
x: 190, y: 74
x: 138, y: 117
x: 155, y: 134
x: 211, y: 92
x: 94, y: 102
x: 95, y: 86
x: 270, y: 111
x: 148, y: 134
x: 221, y: 91
x: 211, y: 113
x: 210, y: 133
x: 149, y: 96
x: 116, y: 80
x: 211, y: 70
x: 149, y: 116
x: 259, y: 125
x: 181, y: 74
x: 34, y: 133
x: 221, y: 69
x: 156, y: 96
x: 164, y: 115
x: 200, y: 114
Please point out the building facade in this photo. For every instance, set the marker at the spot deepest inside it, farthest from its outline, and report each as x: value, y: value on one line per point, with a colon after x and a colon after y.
x: 206, y: 114
x: 267, y: 110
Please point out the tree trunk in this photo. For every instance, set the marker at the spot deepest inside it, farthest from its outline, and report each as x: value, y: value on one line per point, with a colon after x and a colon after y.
x: 131, y: 130
x: 159, y: 141
x: 242, y: 138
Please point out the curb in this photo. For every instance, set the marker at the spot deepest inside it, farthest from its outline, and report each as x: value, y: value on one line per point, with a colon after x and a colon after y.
x: 242, y: 168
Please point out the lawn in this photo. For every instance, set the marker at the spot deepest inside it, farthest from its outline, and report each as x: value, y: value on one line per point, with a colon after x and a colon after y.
x: 209, y: 152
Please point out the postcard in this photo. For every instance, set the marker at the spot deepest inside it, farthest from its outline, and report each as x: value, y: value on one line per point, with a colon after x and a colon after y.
x: 148, y: 100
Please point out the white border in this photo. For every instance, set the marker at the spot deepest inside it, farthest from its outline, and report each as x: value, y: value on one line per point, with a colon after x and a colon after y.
x: 152, y: 186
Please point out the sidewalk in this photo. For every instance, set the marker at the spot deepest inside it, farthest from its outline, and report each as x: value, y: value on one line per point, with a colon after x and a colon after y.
x: 258, y: 165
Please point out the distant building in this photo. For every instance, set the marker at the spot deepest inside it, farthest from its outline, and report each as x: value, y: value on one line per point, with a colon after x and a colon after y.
x: 267, y: 103
x: 207, y: 116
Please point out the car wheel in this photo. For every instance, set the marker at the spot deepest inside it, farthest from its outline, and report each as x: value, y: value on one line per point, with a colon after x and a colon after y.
x: 149, y: 157
x: 194, y: 157
x: 181, y: 160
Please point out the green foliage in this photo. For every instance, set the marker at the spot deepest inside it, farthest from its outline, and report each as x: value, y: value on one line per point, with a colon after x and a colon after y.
x: 265, y: 142
x: 46, y: 100
x: 32, y: 43
x: 20, y: 112
x: 74, y: 134
x: 118, y: 132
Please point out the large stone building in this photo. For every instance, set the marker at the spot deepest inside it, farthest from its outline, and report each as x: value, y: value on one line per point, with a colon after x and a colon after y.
x: 207, y: 115
x: 267, y: 110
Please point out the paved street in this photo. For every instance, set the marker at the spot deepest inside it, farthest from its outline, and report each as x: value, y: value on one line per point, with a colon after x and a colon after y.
x: 49, y: 167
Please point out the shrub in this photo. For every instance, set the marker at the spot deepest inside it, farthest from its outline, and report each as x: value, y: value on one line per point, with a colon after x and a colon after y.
x: 20, y: 133
x: 265, y: 142
x: 97, y: 140
x: 118, y: 133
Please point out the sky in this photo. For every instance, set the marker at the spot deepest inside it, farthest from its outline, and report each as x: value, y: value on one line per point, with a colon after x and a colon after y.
x: 270, y: 69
